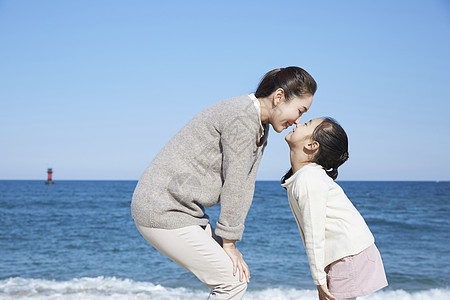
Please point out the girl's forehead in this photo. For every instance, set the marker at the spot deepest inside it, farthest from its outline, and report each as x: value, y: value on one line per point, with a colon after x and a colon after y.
x: 315, y: 121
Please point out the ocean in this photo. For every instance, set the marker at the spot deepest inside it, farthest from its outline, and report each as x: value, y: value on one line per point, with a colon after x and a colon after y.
x: 77, y: 240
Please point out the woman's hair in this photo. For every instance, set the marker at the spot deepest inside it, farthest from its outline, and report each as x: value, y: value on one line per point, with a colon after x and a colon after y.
x: 294, y: 81
x: 333, y: 147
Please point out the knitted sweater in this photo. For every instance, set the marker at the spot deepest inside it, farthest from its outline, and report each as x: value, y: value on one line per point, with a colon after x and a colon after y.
x: 330, y: 226
x: 213, y: 158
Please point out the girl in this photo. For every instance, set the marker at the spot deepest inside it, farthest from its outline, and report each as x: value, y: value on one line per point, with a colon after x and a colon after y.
x: 213, y: 159
x: 343, y: 258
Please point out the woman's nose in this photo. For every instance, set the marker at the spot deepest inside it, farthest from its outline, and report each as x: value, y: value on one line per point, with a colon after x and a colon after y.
x: 297, y: 122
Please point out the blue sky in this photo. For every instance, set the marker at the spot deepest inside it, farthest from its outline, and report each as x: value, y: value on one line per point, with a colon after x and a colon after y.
x: 95, y: 89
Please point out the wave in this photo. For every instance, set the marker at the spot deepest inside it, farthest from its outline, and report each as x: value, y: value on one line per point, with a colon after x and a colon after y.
x: 102, y: 288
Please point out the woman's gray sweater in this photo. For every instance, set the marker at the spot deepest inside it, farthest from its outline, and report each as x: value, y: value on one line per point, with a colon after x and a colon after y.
x: 213, y: 158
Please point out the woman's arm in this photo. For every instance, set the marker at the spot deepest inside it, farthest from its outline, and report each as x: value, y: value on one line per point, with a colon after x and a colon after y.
x: 238, y: 140
x: 238, y: 260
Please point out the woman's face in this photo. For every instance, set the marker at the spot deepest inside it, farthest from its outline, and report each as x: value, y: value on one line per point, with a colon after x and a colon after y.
x: 301, y: 134
x: 289, y: 112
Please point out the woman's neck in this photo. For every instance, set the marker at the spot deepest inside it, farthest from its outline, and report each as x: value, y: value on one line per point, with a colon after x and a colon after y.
x: 298, y: 160
x: 265, y: 105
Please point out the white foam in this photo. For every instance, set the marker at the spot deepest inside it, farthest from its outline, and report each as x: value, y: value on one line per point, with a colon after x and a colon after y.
x: 102, y: 288
x: 98, y: 288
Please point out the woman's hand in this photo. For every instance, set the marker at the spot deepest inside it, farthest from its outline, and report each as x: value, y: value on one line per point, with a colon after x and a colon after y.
x: 237, y: 259
x: 324, y: 294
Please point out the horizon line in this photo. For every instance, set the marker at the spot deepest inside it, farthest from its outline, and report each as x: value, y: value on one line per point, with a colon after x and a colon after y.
x: 268, y: 180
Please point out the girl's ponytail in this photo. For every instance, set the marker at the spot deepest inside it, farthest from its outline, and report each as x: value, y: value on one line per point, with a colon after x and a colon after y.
x: 333, y: 173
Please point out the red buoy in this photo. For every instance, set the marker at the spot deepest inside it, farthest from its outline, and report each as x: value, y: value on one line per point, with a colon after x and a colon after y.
x: 49, y: 176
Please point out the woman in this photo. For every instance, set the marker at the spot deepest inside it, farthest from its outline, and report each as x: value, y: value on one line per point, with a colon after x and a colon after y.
x: 212, y: 159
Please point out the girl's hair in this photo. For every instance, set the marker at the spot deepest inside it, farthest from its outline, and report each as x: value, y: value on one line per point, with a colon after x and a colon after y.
x: 294, y: 81
x: 333, y: 147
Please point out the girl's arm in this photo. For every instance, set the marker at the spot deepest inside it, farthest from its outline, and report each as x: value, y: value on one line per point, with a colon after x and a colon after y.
x: 324, y: 294
x: 312, y: 195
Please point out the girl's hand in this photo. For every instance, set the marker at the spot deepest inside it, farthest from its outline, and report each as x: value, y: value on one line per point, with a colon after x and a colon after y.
x: 238, y: 261
x: 324, y: 294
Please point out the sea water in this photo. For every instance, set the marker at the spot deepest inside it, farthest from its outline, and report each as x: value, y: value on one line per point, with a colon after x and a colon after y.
x: 77, y: 240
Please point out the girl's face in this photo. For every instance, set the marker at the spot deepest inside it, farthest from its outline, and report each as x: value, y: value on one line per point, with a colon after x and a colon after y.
x: 300, y: 136
x: 289, y: 112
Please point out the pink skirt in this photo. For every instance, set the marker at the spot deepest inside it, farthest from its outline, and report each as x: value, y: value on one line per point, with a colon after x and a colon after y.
x: 356, y: 275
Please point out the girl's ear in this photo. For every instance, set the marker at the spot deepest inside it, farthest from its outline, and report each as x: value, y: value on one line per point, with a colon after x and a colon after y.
x: 312, y: 146
x: 278, y: 96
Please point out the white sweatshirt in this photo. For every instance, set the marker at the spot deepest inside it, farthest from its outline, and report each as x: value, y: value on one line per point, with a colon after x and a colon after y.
x: 330, y: 226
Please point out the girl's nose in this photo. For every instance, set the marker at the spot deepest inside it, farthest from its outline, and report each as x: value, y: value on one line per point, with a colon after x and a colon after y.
x: 297, y: 122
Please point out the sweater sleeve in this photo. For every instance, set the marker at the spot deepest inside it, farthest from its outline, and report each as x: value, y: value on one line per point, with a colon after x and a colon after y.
x: 237, y: 140
x: 311, y: 193
x: 250, y: 187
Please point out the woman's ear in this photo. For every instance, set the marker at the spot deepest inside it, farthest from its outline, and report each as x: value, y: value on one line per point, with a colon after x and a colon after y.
x: 278, y: 96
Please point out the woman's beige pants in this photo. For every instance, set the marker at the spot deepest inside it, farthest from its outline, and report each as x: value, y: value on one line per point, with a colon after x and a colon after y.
x: 198, y: 251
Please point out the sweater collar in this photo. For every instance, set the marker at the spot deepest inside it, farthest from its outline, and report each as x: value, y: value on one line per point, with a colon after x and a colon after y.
x: 262, y: 128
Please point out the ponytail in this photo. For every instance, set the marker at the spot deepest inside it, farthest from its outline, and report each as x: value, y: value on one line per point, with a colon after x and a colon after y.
x: 333, y: 173
x: 294, y: 81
